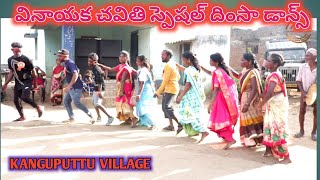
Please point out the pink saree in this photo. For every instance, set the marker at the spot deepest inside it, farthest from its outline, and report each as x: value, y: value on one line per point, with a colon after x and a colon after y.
x: 225, y: 108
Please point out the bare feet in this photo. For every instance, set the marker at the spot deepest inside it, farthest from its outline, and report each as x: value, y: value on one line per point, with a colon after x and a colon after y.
x: 126, y: 122
x: 193, y: 135
x: 268, y: 152
x: 203, y: 135
x: 134, y: 122
x: 229, y: 144
x: 286, y: 161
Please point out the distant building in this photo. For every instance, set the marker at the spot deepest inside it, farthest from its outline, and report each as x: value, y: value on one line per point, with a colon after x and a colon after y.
x: 243, y: 40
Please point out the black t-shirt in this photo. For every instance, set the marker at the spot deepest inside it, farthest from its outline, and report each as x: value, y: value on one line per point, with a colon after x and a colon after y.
x: 98, y: 76
x: 22, y: 70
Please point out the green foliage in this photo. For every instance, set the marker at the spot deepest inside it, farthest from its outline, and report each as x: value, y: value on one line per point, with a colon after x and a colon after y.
x: 238, y: 84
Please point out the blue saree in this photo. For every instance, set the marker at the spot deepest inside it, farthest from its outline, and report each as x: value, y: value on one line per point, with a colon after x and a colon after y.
x: 144, y: 105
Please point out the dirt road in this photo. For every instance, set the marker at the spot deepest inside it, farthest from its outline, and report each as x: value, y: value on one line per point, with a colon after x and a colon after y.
x: 173, y: 157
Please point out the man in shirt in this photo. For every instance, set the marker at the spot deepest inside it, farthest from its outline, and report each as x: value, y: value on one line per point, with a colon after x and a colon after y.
x: 99, y: 87
x: 73, y: 91
x: 170, y: 87
x: 306, y: 77
x: 21, y: 68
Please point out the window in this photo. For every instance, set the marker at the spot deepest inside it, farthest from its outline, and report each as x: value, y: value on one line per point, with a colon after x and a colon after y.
x: 186, y: 47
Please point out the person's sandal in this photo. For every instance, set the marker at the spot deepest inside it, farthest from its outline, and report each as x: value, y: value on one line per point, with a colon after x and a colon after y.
x: 110, y: 120
x: 314, y: 137
x: 99, y: 119
x: 168, y: 128
x: 179, y: 130
x: 299, y: 135
x: 19, y: 119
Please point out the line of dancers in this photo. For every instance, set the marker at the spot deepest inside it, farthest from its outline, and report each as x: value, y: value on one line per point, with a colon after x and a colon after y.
x: 261, y: 111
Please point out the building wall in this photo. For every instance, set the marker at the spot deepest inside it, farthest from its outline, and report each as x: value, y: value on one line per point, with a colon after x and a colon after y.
x: 204, y: 46
x: 206, y: 40
x: 242, y: 38
x: 144, y: 43
x: 53, y: 39
x: 52, y: 45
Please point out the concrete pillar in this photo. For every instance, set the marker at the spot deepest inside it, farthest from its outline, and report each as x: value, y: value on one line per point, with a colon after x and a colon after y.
x: 68, y: 40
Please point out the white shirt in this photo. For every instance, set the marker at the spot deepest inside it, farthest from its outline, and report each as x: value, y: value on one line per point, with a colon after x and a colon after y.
x: 143, y: 76
x: 306, y: 76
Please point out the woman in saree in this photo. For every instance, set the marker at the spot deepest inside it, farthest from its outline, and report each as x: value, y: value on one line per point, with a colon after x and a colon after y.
x: 56, y: 84
x: 145, y: 100
x: 276, y: 106
x: 224, y: 107
x: 191, y: 99
x: 251, y: 117
x: 124, y: 88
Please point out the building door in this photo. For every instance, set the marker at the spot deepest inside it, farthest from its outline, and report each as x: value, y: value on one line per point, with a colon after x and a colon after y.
x: 134, y: 49
x: 107, y: 50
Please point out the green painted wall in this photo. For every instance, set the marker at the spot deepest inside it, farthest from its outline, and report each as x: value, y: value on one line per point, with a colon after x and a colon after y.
x: 52, y: 45
x: 53, y: 39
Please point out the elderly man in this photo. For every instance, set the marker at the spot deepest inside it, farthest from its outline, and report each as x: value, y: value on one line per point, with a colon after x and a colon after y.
x: 306, y: 77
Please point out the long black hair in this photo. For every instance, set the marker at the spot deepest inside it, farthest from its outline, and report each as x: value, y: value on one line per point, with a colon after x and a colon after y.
x: 217, y: 57
x: 127, y: 55
x: 192, y: 58
x: 251, y: 58
x: 144, y: 59
x: 277, y: 59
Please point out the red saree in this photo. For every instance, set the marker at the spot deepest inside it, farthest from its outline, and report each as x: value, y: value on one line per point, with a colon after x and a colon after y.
x: 56, y: 85
x: 124, y: 106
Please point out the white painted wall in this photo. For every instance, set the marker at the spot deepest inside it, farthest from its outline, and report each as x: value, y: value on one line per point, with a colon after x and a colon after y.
x: 144, y: 43
x: 11, y: 33
x: 41, y: 51
x: 219, y: 41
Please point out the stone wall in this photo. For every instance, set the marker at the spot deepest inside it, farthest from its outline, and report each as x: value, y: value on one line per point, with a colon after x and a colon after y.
x: 241, y: 39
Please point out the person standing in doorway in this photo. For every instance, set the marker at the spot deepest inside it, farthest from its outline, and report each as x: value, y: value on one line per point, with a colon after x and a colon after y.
x: 22, y: 69
x: 99, y: 87
x: 73, y: 91
x: 307, y: 76
x: 170, y: 87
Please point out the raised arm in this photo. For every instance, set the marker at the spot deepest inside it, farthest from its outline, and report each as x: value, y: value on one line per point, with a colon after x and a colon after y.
x: 181, y: 68
x: 109, y: 69
x: 234, y: 73
x: 206, y: 70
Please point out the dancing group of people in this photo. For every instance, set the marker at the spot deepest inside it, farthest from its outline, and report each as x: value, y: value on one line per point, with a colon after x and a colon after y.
x: 261, y: 111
